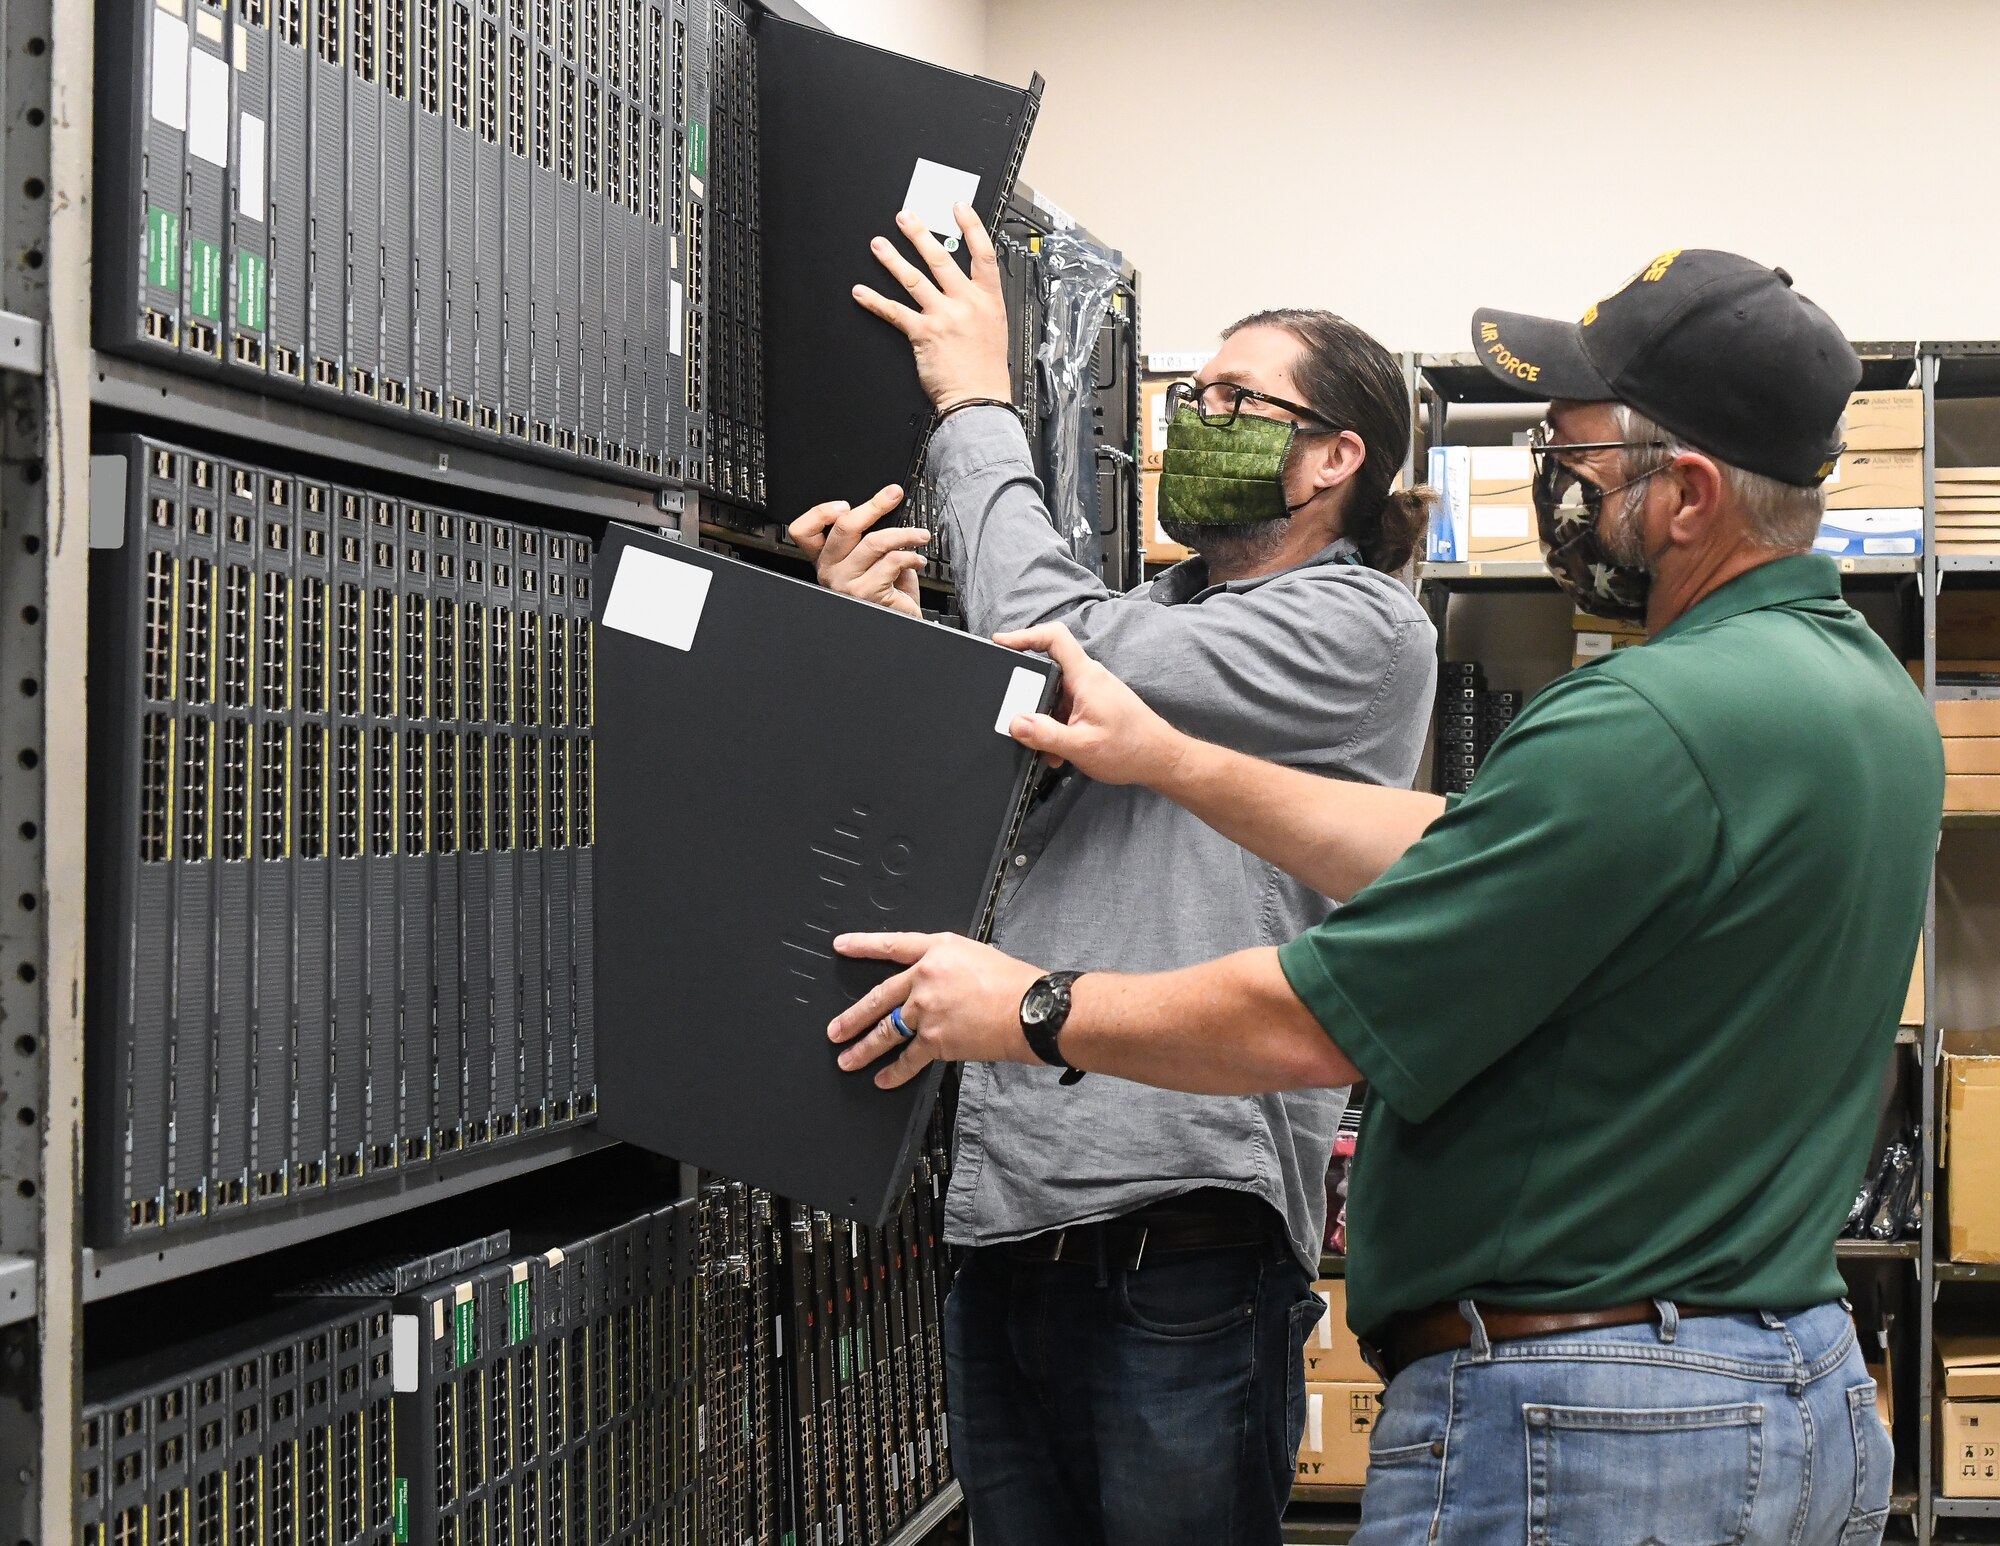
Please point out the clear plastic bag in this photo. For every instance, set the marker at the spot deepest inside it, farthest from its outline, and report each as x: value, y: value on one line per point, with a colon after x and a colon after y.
x: 1078, y: 278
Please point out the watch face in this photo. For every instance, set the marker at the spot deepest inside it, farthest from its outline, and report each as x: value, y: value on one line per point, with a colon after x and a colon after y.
x: 1040, y: 1004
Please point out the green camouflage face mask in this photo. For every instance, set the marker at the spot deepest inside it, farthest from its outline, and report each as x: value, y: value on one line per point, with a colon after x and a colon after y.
x: 1225, y: 474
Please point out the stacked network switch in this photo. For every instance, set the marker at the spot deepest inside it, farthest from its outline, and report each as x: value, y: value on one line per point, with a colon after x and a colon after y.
x: 450, y: 214
x: 545, y: 1398
x: 342, y: 816
x: 822, y: 1365
x: 277, y: 1432
x: 724, y: 1369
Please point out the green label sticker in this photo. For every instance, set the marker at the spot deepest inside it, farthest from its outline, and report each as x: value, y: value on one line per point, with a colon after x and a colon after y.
x: 463, y: 1328
x: 520, y: 1316
x: 205, y: 279
x: 250, y: 291
x: 402, y: 1509
x: 843, y: 1360
x: 698, y: 149
x: 163, y: 249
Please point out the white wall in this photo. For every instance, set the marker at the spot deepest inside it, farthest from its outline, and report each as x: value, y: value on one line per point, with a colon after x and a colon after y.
x: 1403, y: 161
x: 947, y: 32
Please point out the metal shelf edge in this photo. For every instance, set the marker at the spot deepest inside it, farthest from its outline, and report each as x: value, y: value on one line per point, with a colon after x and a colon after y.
x: 1965, y: 1508
x: 109, y: 1271
x: 17, y: 1289
x: 927, y: 1518
x: 139, y: 388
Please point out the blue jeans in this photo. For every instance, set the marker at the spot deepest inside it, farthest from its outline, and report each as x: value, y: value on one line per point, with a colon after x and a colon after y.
x: 1712, y: 1431
x: 1155, y: 1407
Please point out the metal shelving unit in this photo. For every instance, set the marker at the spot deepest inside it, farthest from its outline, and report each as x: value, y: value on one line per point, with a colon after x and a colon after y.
x: 56, y: 390
x: 918, y: 1527
x: 112, y: 1270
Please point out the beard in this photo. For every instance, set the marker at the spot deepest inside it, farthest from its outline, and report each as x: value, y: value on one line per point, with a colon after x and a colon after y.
x: 1233, y: 546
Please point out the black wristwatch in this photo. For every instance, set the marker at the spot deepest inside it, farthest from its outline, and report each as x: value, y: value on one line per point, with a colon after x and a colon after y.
x: 1044, y: 1009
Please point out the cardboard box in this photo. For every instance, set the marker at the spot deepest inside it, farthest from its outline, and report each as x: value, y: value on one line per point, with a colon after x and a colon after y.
x: 1970, y: 716
x: 1340, y: 1415
x: 1973, y: 792
x: 1585, y: 622
x: 1968, y: 623
x: 1980, y: 549
x: 1159, y: 549
x: 1972, y: 754
x: 1913, y: 1001
x: 1876, y: 480
x: 1885, y: 421
x: 1332, y: 1352
x: 1968, y: 475
x: 1152, y: 423
x: 1887, y: 533
x: 1969, y: 1416
x: 1970, y: 1139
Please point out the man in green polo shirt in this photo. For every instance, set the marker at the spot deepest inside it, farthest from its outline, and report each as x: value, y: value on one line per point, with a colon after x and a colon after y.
x: 1624, y: 1007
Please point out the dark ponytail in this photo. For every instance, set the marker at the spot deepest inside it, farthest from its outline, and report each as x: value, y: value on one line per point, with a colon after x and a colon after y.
x: 1346, y: 375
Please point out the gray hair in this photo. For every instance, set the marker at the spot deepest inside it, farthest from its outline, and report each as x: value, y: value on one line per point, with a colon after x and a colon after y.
x: 1777, y: 515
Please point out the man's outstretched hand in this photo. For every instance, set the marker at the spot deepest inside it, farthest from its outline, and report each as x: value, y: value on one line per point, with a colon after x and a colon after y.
x: 856, y: 560
x: 958, y: 329
x: 1100, y: 725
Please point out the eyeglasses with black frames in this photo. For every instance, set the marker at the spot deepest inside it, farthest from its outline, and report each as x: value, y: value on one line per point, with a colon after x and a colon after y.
x: 1220, y: 402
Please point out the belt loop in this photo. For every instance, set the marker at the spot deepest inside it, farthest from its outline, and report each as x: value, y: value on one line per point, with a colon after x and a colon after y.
x: 1670, y: 1319
x: 1482, y: 1347
x: 1771, y: 1322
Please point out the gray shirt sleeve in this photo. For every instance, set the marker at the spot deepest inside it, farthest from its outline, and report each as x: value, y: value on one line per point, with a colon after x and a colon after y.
x: 1296, y: 669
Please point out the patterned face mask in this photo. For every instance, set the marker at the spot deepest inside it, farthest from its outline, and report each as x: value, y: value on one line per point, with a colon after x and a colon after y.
x: 1567, y: 509
x: 1229, y: 474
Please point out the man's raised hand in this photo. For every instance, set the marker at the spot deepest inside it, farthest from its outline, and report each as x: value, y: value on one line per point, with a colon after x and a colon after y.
x: 851, y: 557
x: 958, y: 328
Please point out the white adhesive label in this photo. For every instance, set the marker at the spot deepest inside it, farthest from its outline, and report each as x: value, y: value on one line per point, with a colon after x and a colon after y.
x: 657, y: 598
x: 170, y: 70
x: 1514, y: 463
x: 403, y: 1353
x: 1501, y: 522
x: 1324, y: 1330
x: 1315, y: 1405
x: 674, y: 295
x: 934, y: 189
x: 250, y: 167
x: 208, y: 108
x: 1024, y: 693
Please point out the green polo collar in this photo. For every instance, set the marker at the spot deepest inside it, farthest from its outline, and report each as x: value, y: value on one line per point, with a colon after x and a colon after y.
x: 1798, y: 577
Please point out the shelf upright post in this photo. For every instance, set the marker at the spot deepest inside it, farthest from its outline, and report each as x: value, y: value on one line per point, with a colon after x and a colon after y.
x: 44, y: 535
x: 1930, y: 575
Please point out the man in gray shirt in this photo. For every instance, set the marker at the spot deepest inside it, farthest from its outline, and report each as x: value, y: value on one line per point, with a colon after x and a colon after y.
x: 1124, y: 1339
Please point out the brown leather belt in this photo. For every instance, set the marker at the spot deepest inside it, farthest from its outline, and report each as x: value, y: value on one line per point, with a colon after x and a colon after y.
x: 1129, y: 1242
x: 1442, y: 1329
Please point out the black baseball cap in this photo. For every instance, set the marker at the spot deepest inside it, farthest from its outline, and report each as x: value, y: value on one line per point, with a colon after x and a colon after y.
x: 1719, y: 351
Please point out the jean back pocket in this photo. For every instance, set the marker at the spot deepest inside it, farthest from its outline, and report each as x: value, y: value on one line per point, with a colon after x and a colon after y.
x: 1874, y: 1459
x: 1669, y: 1476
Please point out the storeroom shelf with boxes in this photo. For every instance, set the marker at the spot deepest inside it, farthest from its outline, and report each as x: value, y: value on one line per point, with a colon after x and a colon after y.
x: 306, y: 1232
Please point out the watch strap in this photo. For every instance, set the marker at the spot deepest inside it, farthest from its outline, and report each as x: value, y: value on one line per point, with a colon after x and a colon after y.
x: 1044, y: 1037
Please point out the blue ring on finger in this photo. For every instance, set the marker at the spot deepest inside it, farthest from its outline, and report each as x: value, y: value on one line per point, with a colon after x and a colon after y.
x: 907, y: 1032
